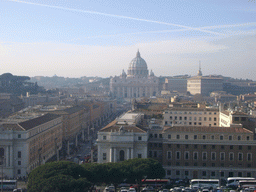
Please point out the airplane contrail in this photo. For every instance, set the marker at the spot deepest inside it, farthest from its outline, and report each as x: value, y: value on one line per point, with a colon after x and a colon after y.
x: 173, y: 30
x: 119, y: 16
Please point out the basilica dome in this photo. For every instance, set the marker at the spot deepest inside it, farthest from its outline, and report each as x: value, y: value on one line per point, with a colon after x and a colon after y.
x: 138, y: 67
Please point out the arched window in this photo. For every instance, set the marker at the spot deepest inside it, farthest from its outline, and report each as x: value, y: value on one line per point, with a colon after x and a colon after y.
x: 121, y: 155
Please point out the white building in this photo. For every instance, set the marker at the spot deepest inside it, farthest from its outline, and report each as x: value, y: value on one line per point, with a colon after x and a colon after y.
x: 136, y: 83
x: 28, y: 144
x: 122, y: 139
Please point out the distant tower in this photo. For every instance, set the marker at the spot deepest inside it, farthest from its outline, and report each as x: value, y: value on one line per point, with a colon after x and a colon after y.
x: 199, y: 72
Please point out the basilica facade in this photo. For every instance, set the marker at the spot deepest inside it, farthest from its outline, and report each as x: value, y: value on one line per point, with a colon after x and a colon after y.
x: 138, y: 82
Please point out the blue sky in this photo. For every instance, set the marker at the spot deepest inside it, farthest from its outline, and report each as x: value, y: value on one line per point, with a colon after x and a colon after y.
x: 100, y: 37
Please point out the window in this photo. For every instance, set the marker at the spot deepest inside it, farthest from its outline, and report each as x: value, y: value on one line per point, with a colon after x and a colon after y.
x: 204, y: 156
x: 185, y: 118
x: 169, y: 146
x: 18, y: 171
x: 213, y: 154
x: 177, y: 173
x: 186, y: 136
x: 170, y: 117
x: 248, y: 138
x: 240, y: 147
x: 169, y: 136
x: 169, y: 155
x: 213, y: 146
x: 195, y: 155
x: 230, y: 137
x: 19, y: 162
x: 195, y: 136
x: 139, y: 156
x: 213, y: 173
x: 186, y: 155
x: 205, y: 119
x: 177, y: 136
x: 231, y: 147
x: 139, y: 138
x: 177, y: 155
x: 104, y: 156
x: 222, y: 147
x: 195, y: 146
x: 221, y: 137
x: 186, y: 173
x: 240, y: 156
x: 19, y: 154
x: 204, y: 136
x: 249, y: 147
x: 180, y: 118
x: 169, y: 172
x: 19, y: 136
x: 215, y: 119
x: 204, y: 173
x: 178, y: 145
x: 249, y: 157
x: 210, y: 118
x: 212, y: 137
x: 150, y: 154
x: 155, y: 153
x: 155, y: 135
x: 104, y: 137
x: 222, y: 156
x: 204, y: 146
x: 231, y: 156
x: 200, y: 118
x: 160, y: 145
x: 239, y: 138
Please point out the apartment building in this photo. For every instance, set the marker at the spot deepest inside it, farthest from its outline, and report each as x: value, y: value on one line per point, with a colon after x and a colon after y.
x: 189, y: 116
x: 204, y: 152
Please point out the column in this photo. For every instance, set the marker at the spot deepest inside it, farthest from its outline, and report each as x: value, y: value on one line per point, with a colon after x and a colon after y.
x: 132, y: 153
x: 99, y: 154
x: 111, y: 155
x: 127, y: 153
x: 123, y: 92
x: 68, y: 148
x: 83, y: 134
x: 11, y: 155
x: 7, y: 157
x: 115, y: 160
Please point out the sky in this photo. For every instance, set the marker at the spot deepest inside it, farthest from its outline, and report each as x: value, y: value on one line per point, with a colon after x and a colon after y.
x: 75, y: 38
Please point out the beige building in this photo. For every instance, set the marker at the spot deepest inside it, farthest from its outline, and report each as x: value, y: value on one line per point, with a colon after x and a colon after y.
x: 136, y: 83
x: 204, y: 85
x: 179, y: 116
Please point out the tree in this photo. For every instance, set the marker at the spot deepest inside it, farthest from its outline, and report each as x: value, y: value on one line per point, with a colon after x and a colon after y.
x: 139, y: 169
x: 97, y: 171
x: 59, y: 176
x: 115, y: 174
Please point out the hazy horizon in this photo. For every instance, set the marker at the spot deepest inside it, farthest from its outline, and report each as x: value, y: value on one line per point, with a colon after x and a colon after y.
x: 100, y: 38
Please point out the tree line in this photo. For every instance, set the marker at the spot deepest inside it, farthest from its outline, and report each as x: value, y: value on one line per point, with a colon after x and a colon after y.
x: 65, y: 176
